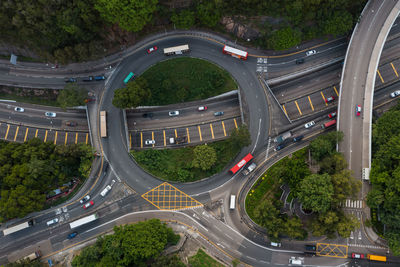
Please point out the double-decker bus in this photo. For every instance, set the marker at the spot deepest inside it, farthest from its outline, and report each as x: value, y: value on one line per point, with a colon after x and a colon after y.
x: 176, y: 50
x: 129, y: 77
x: 103, y: 124
x: 328, y: 124
x: 241, y: 164
x: 235, y: 52
x: 17, y: 227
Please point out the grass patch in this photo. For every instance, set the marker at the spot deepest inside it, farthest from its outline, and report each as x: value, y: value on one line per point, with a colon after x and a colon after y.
x: 176, y: 164
x: 47, y: 97
x: 186, y: 79
x: 201, y: 259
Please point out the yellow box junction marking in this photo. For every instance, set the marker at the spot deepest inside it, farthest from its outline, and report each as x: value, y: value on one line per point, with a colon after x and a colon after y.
x: 212, y: 132
x: 66, y: 138
x: 223, y: 127
x: 394, y: 69
x: 45, y: 137
x: 165, y: 143
x: 380, y: 76
x: 188, y: 135
x: 334, y: 88
x: 332, y: 250
x: 234, y: 120
x: 284, y: 109
x: 298, y: 108
x: 36, y: 132
x: 152, y: 137
x: 16, y: 133
x: 312, y: 107
x: 87, y: 135
x: 26, y: 134
x: 168, y: 197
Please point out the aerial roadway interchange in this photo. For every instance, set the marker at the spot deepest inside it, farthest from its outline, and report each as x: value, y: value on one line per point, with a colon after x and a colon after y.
x: 229, y: 239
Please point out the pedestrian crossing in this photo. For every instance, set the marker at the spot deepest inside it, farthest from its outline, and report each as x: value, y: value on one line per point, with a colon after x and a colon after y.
x: 354, y: 204
x: 365, y: 246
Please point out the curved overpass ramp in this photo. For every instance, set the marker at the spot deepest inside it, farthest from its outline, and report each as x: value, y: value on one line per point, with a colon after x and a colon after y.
x: 358, y: 80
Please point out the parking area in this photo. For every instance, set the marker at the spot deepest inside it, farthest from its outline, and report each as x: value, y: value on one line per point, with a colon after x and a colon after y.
x: 17, y: 133
x: 194, y: 134
x: 326, y: 98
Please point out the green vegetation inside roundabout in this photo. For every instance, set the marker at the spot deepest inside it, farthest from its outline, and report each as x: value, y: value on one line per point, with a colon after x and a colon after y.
x: 318, y: 181
x: 180, y: 80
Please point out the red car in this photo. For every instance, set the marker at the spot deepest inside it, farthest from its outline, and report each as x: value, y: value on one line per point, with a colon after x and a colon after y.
x: 358, y: 110
x: 332, y: 115
x: 202, y: 108
x: 87, y: 205
x: 329, y: 99
x: 151, y: 49
x: 357, y: 256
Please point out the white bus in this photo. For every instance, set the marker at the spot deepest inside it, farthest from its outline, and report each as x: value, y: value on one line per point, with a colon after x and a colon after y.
x: 235, y: 52
x: 103, y: 124
x: 176, y: 50
x: 84, y: 220
x: 17, y: 227
x: 233, y: 202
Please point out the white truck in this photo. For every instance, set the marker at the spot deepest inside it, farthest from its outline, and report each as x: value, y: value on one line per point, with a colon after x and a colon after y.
x: 249, y: 169
x: 33, y: 256
x: 84, y: 220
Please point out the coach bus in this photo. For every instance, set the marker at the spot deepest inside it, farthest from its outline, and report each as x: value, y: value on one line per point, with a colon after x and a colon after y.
x: 18, y: 227
x: 176, y: 50
x: 129, y: 77
x: 328, y: 124
x: 241, y: 164
x: 103, y: 124
x: 235, y: 52
x: 376, y: 257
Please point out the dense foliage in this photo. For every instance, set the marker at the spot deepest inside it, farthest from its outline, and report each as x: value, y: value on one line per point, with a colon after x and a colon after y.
x: 385, y: 176
x: 177, y: 164
x: 130, y: 245
x: 135, y: 93
x: 204, y: 157
x: 30, y: 170
x: 72, y: 96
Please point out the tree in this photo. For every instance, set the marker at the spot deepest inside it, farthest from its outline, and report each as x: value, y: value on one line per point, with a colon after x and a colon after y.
x: 134, y: 94
x: 168, y: 261
x: 326, y: 224
x: 333, y: 163
x: 325, y: 145
x: 347, y: 224
x: 208, y: 13
x: 240, y: 137
x: 183, y: 20
x: 269, y: 217
x: 375, y: 197
x: 316, y: 192
x: 340, y: 23
x: 294, y: 228
x: 204, y: 157
x: 130, y: 15
x: 71, y: 96
x: 285, y: 38
x: 345, y: 186
x: 295, y: 170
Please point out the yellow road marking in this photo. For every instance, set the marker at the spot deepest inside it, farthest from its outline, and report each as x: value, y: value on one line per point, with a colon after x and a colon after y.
x: 26, y: 134
x: 165, y: 143
x: 176, y: 134
x: 87, y: 135
x: 323, y: 97
x: 298, y: 108
x: 380, y: 76
x: 16, y: 133
x: 234, y: 120
x: 36, y: 132
x: 141, y: 140
x: 76, y: 138
x: 152, y: 137
x: 201, y: 138
x: 394, y: 69
x: 55, y: 138
x: 45, y: 137
x: 334, y: 88
x: 223, y: 127
x: 187, y: 131
x: 66, y: 138
x: 284, y: 109
x: 312, y: 107
x: 212, y: 132
x: 8, y: 128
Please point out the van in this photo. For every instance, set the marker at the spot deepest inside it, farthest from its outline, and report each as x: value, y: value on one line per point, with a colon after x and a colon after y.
x: 279, y: 147
x: 171, y: 141
x: 249, y: 169
x: 233, y: 202
x: 105, y: 191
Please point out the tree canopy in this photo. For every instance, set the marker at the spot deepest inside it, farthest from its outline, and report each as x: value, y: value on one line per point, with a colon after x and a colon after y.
x: 72, y: 95
x: 135, y: 93
x: 316, y: 192
x: 130, y: 245
x: 204, y: 157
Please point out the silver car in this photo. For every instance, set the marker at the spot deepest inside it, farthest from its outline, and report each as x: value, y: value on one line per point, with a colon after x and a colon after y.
x: 50, y: 114
x: 309, y: 124
x: 395, y: 94
x: 19, y: 109
x: 311, y: 52
x: 173, y: 113
x: 54, y: 221
x: 149, y: 142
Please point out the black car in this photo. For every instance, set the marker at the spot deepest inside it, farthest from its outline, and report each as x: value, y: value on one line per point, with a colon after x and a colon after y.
x: 298, y: 138
x: 70, y: 80
x: 279, y: 147
x: 300, y: 61
x: 88, y: 79
x: 148, y: 115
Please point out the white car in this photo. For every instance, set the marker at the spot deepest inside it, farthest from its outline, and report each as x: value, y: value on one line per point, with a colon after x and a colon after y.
x: 311, y: 52
x: 149, y: 142
x: 50, y: 114
x: 105, y: 191
x: 309, y: 124
x: 55, y: 220
x: 171, y: 140
x: 83, y: 200
x: 395, y: 94
x: 19, y: 109
x: 174, y: 113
